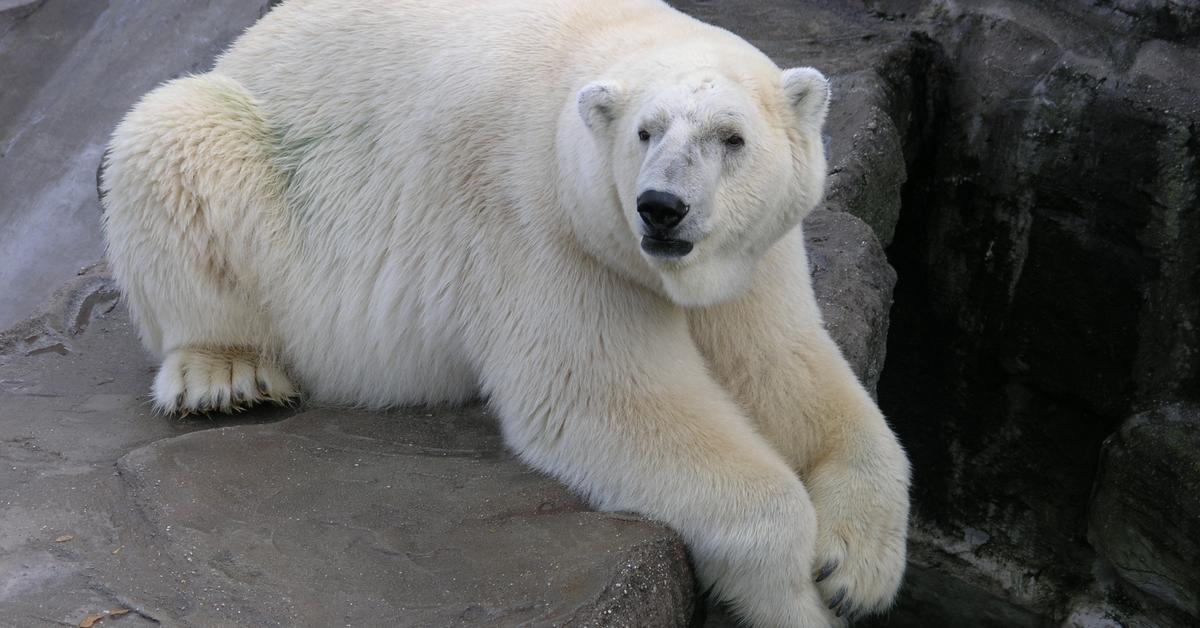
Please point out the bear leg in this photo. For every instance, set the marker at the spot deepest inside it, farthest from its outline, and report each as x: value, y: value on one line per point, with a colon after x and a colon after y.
x: 615, y: 400
x: 191, y: 196
x: 771, y: 350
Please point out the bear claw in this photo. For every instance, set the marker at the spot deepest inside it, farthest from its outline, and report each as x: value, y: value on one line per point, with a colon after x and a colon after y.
x: 826, y: 569
x: 837, y: 599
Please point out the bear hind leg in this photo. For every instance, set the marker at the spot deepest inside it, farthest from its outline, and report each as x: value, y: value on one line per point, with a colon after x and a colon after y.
x: 189, y: 185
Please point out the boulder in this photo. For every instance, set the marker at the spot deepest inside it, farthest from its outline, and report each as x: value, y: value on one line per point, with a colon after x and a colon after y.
x: 414, y: 517
x: 1145, y: 513
x: 853, y: 282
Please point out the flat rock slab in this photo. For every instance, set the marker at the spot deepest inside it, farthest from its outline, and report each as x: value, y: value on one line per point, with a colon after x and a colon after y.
x: 336, y: 517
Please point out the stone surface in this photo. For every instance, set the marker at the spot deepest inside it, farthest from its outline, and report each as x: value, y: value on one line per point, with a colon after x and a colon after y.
x: 1145, y: 513
x: 1048, y: 253
x: 70, y: 70
x: 337, y: 517
x: 854, y: 284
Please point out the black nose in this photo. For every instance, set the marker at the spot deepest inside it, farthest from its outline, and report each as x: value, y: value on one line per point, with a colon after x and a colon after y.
x: 661, y: 210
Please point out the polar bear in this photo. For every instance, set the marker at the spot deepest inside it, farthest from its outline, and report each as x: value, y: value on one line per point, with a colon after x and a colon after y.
x: 586, y: 212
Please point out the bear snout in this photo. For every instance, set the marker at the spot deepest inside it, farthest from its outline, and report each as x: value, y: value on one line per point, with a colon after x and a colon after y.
x: 660, y: 211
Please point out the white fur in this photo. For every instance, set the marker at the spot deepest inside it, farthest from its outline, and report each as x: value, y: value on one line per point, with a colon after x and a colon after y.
x: 409, y: 202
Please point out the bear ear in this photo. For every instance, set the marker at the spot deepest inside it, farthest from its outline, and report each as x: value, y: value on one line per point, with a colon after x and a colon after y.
x: 807, y: 91
x: 598, y: 104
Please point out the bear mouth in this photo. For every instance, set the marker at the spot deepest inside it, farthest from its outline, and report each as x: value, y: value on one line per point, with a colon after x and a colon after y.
x: 667, y: 248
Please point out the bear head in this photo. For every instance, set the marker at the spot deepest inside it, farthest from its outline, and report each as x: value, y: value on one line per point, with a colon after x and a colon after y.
x: 693, y: 172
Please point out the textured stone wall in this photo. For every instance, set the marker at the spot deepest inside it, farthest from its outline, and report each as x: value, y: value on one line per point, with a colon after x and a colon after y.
x: 1048, y: 253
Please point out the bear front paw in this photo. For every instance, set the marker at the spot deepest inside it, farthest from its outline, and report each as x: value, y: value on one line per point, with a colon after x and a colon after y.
x: 763, y: 568
x: 862, y: 530
x: 198, y: 380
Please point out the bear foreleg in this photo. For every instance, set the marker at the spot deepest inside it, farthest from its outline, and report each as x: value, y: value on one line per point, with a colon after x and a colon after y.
x: 602, y: 387
x: 770, y: 349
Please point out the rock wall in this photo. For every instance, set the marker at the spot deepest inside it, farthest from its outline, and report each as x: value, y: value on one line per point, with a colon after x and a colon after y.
x: 1048, y: 253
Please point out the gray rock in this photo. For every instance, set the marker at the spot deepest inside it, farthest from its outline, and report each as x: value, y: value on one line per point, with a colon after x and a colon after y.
x: 931, y: 598
x: 1048, y: 253
x: 866, y: 158
x: 1148, y: 19
x: 1145, y: 512
x: 417, y: 517
x: 853, y: 282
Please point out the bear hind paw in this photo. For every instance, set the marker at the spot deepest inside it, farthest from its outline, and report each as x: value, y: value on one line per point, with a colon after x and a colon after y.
x: 228, y: 379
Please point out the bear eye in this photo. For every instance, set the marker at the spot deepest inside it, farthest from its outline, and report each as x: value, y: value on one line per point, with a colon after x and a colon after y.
x: 735, y: 141
x: 643, y: 135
